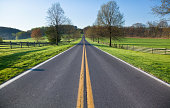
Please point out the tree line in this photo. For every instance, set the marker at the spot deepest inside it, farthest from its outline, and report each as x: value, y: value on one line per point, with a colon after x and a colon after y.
x: 66, y: 32
x: 109, y: 24
x: 151, y: 30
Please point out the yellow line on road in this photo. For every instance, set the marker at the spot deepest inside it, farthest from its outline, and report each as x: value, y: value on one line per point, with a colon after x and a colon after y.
x: 90, y: 103
x: 80, y: 98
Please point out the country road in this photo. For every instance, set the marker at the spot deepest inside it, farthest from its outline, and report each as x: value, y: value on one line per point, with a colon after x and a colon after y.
x: 85, y: 76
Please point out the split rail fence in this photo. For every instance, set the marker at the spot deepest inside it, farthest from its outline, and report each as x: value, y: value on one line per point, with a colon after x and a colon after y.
x: 141, y: 48
x: 11, y: 45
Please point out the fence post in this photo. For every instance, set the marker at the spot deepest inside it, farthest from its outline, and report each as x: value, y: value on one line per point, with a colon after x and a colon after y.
x: 34, y: 44
x: 21, y: 44
x: 165, y: 50
x: 39, y: 44
x: 10, y: 45
x: 152, y: 50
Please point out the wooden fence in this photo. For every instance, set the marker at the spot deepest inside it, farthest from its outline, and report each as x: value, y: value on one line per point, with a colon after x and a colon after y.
x: 22, y: 44
x: 141, y: 48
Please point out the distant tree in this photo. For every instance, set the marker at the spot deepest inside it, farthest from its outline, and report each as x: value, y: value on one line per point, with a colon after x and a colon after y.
x: 163, y: 9
x: 36, y: 34
x: 163, y: 23
x: 89, y: 32
x: 21, y: 35
x: 18, y: 35
x: 139, y: 29
x: 42, y: 29
x: 77, y: 34
x: 166, y: 32
x: 14, y: 34
x: 97, y: 32
x: 56, y: 18
x: 138, y: 25
x: 110, y: 17
x: 68, y: 31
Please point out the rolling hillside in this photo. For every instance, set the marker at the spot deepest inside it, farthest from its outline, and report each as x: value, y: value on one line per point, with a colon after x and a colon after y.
x: 6, y: 33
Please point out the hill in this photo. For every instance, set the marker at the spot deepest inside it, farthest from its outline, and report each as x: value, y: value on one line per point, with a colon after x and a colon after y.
x: 6, y: 33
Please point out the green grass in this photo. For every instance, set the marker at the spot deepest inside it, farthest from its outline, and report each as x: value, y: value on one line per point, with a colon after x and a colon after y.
x: 63, y: 42
x: 155, y: 64
x: 155, y: 43
x: 15, y: 61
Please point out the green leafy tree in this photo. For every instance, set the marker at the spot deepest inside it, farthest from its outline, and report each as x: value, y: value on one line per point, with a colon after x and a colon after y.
x: 18, y: 35
x: 51, y: 34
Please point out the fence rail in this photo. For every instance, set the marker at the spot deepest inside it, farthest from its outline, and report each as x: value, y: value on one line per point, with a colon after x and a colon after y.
x: 12, y: 45
x: 141, y: 48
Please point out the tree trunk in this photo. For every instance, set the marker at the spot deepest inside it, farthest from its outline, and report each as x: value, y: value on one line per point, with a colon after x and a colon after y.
x: 110, y: 44
x: 56, y: 41
x: 98, y: 39
x: 56, y: 28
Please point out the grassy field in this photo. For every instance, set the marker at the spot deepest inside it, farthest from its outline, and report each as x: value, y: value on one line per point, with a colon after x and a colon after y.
x: 44, y: 39
x: 155, y: 43
x: 21, y: 40
x: 155, y: 64
x: 63, y: 42
x: 15, y: 61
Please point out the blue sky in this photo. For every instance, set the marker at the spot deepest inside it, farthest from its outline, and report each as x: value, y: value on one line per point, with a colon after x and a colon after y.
x: 27, y: 14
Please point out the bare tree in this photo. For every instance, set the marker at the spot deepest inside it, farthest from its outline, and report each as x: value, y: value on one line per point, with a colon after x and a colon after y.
x: 138, y: 25
x: 163, y: 9
x: 110, y: 17
x: 56, y: 18
x: 163, y: 23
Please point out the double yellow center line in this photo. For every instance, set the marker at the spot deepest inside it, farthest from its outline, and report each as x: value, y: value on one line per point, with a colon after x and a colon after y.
x: 80, y: 98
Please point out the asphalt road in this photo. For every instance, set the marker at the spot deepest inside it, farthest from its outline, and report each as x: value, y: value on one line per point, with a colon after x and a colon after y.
x: 107, y: 83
